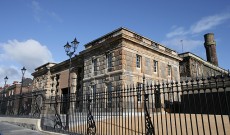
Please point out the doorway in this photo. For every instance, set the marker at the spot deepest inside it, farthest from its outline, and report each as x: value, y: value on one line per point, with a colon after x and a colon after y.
x: 64, y: 101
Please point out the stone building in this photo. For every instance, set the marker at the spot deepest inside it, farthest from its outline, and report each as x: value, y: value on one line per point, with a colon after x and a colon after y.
x: 117, y: 59
x: 51, y: 79
x: 194, y: 66
x: 121, y: 58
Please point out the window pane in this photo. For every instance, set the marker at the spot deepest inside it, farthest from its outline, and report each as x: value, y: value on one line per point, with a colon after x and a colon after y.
x: 95, y: 65
x: 155, y: 67
x: 109, y: 60
x: 138, y: 61
x: 169, y: 70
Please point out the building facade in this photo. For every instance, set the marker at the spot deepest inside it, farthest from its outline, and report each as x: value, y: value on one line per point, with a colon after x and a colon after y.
x: 10, y: 96
x: 117, y: 59
x: 193, y: 66
x: 122, y: 58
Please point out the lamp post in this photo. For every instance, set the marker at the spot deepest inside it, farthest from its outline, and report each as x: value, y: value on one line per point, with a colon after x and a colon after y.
x: 70, y: 50
x: 5, y: 79
x: 20, y: 99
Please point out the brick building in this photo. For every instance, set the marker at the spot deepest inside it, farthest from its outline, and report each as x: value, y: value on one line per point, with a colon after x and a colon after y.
x: 15, y: 88
x: 9, y: 96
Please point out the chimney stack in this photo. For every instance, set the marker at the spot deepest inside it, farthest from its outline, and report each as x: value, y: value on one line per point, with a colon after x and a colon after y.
x: 210, y: 46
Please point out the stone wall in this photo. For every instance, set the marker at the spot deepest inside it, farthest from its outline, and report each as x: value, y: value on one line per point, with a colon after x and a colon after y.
x: 192, y: 68
x: 102, y: 75
x: 133, y: 74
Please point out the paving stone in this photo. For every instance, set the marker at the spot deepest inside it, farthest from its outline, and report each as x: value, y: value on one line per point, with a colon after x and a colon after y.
x: 10, y: 129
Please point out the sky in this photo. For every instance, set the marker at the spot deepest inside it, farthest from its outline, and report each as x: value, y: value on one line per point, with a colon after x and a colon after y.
x: 33, y: 32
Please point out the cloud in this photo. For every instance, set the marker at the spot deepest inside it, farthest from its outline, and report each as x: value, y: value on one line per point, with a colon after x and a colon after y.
x: 36, y: 6
x: 39, y: 13
x: 29, y: 53
x: 55, y: 16
x: 37, y: 10
x: 187, y: 44
x: 178, y: 33
x: 206, y: 23
x: 15, y: 54
x: 209, y: 22
x: 11, y: 72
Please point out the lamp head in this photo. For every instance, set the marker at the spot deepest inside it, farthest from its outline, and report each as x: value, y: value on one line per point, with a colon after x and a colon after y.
x: 23, y: 70
x: 74, y: 44
x: 6, y: 78
x: 67, y: 47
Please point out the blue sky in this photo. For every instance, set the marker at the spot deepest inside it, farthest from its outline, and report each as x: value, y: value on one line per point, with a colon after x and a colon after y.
x: 33, y: 32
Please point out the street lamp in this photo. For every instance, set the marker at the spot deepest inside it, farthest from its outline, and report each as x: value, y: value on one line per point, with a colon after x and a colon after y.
x: 20, y: 100
x: 70, y: 50
x: 23, y: 73
x: 5, y: 79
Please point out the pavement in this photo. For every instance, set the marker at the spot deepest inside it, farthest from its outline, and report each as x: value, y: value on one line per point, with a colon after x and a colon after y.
x: 10, y: 129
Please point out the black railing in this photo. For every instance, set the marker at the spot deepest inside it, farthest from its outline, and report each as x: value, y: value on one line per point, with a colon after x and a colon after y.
x: 31, y: 105
x: 198, y: 106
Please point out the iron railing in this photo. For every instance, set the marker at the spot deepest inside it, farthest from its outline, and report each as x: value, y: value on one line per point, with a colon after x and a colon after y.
x: 199, y: 106
x: 31, y: 105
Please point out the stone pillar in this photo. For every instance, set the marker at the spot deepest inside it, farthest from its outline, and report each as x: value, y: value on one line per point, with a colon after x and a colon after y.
x: 73, y: 83
x: 48, y: 83
x: 73, y: 88
x: 54, y: 86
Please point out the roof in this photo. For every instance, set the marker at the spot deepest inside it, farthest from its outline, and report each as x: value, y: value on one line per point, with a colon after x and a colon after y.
x: 27, y: 82
x: 119, y: 29
x: 114, y: 31
x: 189, y: 54
x: 44, y: 65
x: 144, y: 41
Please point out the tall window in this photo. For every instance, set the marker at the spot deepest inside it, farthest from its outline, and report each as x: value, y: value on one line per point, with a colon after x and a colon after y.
x: 109, y: 60
x: 109, y: 88
x: 94, y: 64
x: 169, y: 70
x: 139, y: 87
x: 138, y: 62
x: 155, y: 66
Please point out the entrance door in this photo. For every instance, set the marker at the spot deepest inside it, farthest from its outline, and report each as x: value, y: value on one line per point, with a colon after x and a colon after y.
x: 64, y: 101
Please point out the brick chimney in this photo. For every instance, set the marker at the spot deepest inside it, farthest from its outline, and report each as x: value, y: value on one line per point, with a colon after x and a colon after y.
x: 210, y: 46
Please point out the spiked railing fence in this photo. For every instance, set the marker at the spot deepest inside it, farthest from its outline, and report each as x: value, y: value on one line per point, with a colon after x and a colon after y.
x: 32, y: 104
x: 199, y: 106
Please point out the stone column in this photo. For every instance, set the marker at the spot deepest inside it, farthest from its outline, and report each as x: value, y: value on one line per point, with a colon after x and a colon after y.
x: 48, y: 83
x: 73, y: 88
x: 54, y: 86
